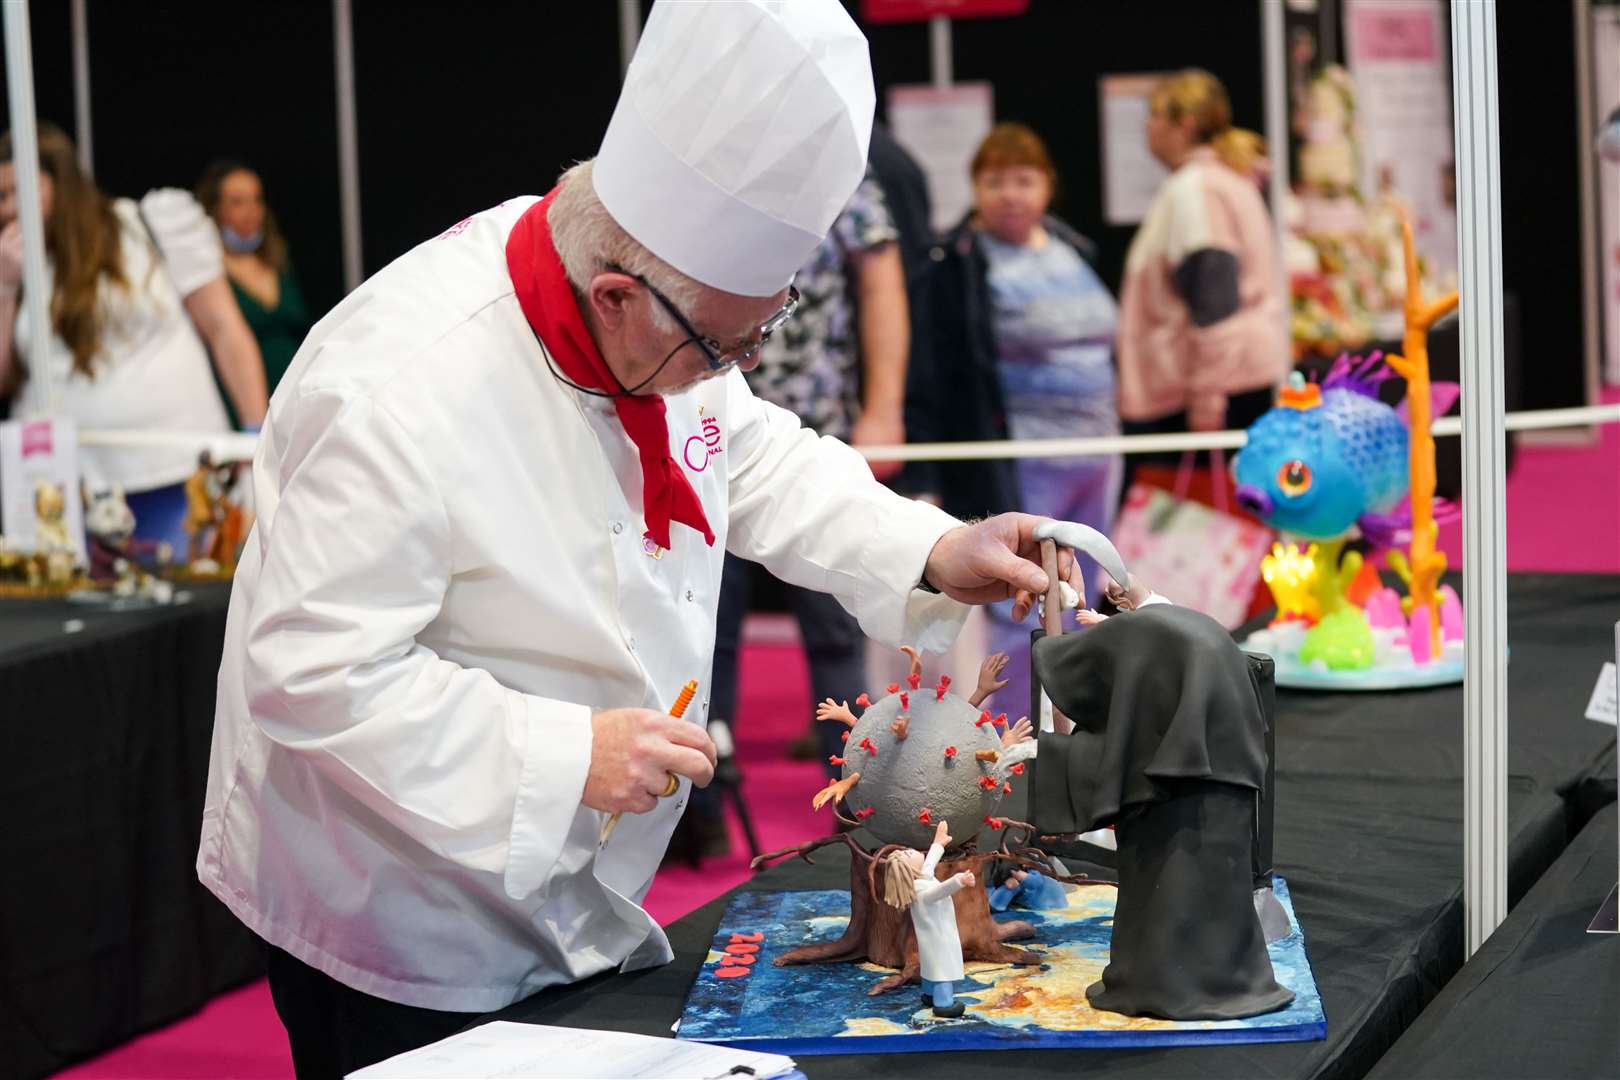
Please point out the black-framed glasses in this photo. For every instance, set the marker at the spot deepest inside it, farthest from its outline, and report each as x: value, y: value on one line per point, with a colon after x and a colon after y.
x: 713, y: 352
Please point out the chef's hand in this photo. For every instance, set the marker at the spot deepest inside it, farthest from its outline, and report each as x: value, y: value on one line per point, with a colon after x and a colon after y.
x: 632, y: 749
x: 11, y: 257
x: 995, y: 559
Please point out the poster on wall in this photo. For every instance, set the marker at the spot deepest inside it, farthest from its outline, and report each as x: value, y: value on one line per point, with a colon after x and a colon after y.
x: 40, y: 505
x: 1131, y: 175
x: 942, y: 127
x: 1396, y: 51
x: 1605, y: 99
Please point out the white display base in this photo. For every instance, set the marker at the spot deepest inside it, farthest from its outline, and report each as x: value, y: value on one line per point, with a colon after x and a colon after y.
x: 1293, y: 675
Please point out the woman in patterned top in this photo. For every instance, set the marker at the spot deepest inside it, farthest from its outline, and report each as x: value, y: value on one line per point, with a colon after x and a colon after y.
x: 1023, y: 338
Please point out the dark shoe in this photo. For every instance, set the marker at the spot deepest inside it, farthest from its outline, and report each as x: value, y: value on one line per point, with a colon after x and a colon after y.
x: 951, y: 1011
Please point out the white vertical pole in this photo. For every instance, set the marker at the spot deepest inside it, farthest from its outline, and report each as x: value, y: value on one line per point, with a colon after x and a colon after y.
x: 348, y: 143
x: 939, y: 51
x: 1586, y: 166
x: 1274, y: 52
x: 25, y: 160
x: 629, y: 32
x: 1479, y: 270
x: 1274, y: 47
x: 81, y: 88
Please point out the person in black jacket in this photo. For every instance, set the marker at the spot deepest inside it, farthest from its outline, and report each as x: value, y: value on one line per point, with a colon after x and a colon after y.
x: 1022, y: 340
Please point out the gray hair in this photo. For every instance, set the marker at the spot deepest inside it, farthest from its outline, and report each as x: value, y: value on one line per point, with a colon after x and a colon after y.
x: 588, y: 240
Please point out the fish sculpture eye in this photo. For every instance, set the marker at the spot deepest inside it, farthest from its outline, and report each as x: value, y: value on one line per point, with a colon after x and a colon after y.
x: 1294, y: 478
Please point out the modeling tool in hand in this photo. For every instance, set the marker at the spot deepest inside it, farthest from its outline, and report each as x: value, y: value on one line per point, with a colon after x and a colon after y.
x: 671, y: 784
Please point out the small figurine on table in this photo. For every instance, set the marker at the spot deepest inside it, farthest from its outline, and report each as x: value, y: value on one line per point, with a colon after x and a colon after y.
x: 204, y: 509
x: 908, y: 881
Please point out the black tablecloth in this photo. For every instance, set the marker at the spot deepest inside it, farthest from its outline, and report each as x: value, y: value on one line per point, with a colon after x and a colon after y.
x: 1369, y: 835
x: 1541, y: 998
x: 104, y: 930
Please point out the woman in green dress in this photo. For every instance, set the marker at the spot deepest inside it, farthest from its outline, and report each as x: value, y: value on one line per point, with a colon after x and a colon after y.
x: 256, y: 264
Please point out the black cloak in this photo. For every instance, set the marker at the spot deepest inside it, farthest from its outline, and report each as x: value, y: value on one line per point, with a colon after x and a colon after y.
x: 1168, y: 747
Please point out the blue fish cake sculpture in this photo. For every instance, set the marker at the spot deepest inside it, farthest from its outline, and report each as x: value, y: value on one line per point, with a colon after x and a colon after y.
x: 1327, y: 458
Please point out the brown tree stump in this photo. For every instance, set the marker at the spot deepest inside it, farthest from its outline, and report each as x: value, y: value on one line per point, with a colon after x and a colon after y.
x: 883, y: 934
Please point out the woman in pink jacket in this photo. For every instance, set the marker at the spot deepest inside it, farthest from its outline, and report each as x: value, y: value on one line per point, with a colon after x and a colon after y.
x: 1203, y: 332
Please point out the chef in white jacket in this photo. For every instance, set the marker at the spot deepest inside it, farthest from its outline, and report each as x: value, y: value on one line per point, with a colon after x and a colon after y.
x: 494, y: 494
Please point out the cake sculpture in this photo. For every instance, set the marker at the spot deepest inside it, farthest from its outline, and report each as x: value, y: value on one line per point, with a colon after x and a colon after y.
x: 909, y: 884
x: 1168, y: 746
x: 918, y: 756
x: 1332, y: 464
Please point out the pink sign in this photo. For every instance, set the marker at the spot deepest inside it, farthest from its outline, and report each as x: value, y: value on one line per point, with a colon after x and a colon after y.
x: 36, y: 438
x: 1392, y: 33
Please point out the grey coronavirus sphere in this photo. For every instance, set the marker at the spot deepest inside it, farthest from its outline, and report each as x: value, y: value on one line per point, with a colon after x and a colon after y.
x: 933, y: 768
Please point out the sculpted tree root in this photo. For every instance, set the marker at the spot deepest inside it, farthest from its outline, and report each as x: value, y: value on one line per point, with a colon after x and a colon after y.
x: 883, y: 934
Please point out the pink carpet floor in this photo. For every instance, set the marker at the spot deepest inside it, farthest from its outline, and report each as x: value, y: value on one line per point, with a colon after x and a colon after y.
x: 1563, y: 514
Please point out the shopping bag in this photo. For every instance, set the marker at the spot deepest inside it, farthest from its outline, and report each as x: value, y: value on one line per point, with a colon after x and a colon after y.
x: 1197, y: 556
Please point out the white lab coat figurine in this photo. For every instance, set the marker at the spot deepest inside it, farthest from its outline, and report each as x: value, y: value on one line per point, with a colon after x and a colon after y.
x: 909, y: 882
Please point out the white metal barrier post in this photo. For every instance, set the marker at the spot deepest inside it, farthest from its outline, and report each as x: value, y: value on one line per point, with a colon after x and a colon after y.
x: 1479, y: 268
x: 25, y: 159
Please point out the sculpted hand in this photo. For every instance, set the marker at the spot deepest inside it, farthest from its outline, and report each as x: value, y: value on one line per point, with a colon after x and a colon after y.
x: 941, y: 836
x: 1017, y: 732
x: 633, y: 749
x: 967, y: 879
x: 995, y: 559
x: 990, y: 677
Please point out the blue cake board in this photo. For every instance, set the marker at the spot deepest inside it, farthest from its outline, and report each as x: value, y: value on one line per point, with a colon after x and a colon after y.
x: 824, y: 1008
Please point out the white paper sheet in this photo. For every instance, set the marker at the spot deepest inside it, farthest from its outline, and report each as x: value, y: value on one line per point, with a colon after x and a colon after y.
x: 942, y: 128
x: 1603, y: 705
x: 1131, y: 174
x: 504, y: 1049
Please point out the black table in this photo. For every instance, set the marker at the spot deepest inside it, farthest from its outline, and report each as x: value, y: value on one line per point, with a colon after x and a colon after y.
x: 104, y: 929
x: 1542, y: 996
x: 1369, y: 836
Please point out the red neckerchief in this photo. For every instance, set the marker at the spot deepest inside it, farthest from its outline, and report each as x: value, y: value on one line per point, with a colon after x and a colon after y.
x: 548, y: 303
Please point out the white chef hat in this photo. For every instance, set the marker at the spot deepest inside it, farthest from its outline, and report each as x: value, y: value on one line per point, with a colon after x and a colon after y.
x: 739, y: 136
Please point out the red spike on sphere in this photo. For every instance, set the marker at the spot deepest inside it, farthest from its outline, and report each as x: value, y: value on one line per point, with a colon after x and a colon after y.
x: 1018, y: 769
x: 1006, y: 789
x: 914, y: 679
x: 862, y: 815
x: 834, y: 759
x: 894, y: 688
x: 925, y: 817
x: 866, y: 744
x: 844, y: 735
x: 950, y: 751
x: 1001, y: 719
x: 905, y: 700
x: 987, y: 782
x: 993, y: 822
x: 984, y: 718
x: 863, y: 701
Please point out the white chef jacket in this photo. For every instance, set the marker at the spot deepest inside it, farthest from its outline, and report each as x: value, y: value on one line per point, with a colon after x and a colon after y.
x: 933, y: 916
x: 447, y: 576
